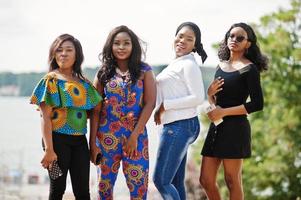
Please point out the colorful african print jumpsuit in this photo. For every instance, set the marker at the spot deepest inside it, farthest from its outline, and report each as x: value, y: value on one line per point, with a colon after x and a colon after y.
x: 121, y: 109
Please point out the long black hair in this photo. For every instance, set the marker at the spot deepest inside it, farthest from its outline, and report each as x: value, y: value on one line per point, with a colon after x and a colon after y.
x: 198, y: 46
x: 79, y: 56
x: 109, y: 63
x: 253, y: 53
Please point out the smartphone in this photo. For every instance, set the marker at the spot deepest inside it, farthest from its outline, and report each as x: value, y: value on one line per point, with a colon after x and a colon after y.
x: 209, y: 109
x: 55, y: 171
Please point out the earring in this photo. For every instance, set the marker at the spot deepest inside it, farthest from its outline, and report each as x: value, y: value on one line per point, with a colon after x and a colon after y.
x: 246, y: 51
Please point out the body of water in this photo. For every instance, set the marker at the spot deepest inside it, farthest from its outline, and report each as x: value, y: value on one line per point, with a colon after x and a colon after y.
x: 21, y: 153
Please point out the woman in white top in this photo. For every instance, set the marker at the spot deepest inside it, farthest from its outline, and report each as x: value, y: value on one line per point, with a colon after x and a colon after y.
x: 180, y: 91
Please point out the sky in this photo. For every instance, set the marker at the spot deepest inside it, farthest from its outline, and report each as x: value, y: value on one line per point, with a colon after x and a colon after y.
x: 28, y: 27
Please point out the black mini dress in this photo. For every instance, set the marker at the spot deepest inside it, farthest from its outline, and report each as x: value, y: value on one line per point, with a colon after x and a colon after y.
x: 232, y: 138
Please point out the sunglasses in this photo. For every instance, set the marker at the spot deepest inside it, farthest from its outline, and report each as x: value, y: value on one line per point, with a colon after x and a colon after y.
x: 238, y: 38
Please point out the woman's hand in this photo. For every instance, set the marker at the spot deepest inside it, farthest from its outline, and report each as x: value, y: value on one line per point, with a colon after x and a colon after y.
x: 158, y: 114
x: 48, y: 158
x: 94, y: 150
x: 130, y: 147
x: 157, y: 117
x: 215, y: 86
x: 216, y: 114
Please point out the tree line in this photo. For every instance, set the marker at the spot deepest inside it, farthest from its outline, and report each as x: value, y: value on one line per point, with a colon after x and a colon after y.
x: 274, y: 170
x: 26, y: 82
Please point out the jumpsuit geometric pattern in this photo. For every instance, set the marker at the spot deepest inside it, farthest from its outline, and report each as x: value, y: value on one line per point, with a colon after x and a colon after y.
x: 121, y: 109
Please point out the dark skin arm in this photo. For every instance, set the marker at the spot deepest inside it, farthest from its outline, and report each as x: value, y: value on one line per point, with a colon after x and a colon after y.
x: 149, y: 99
x: 94, y: 122
x: 158, y: 114
x: 219, y: 112
x: 214, y: 88
x: 49, y: 155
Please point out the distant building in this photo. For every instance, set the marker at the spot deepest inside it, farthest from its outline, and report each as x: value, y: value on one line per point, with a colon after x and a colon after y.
x: 33, y: 179
x: 9, y: 90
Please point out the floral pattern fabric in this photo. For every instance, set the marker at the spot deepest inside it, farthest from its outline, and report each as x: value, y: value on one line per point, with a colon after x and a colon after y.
x: 121, y: 109
x: 70, y: 101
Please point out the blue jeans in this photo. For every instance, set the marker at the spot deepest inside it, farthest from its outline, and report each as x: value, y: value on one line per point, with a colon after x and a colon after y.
x: 169, y: 171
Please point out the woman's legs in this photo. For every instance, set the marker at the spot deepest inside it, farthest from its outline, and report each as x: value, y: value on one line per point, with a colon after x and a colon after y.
x: 179, y: 178
x: 209, y: 169
x: 80, y: 168
x: 63, y: 151
x: 232, y: 170
x: 111, y: 148
x: 136, y: 170
x: 168, y: 161
x: 174, y: 142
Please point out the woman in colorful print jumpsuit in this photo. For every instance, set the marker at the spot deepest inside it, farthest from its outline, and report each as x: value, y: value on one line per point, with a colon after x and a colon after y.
x: 128, y: 87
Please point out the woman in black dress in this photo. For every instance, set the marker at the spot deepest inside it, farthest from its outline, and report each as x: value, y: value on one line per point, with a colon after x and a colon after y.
x: 237, y: 78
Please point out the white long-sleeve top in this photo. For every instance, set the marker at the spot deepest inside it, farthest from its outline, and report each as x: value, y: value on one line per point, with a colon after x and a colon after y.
x: 181, y: 89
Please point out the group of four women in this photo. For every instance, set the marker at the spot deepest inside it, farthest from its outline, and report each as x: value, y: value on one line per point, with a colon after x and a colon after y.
x: 121, y: 100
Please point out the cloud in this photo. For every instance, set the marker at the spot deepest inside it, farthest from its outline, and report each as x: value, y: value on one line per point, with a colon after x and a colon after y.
x: 27, y: 28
